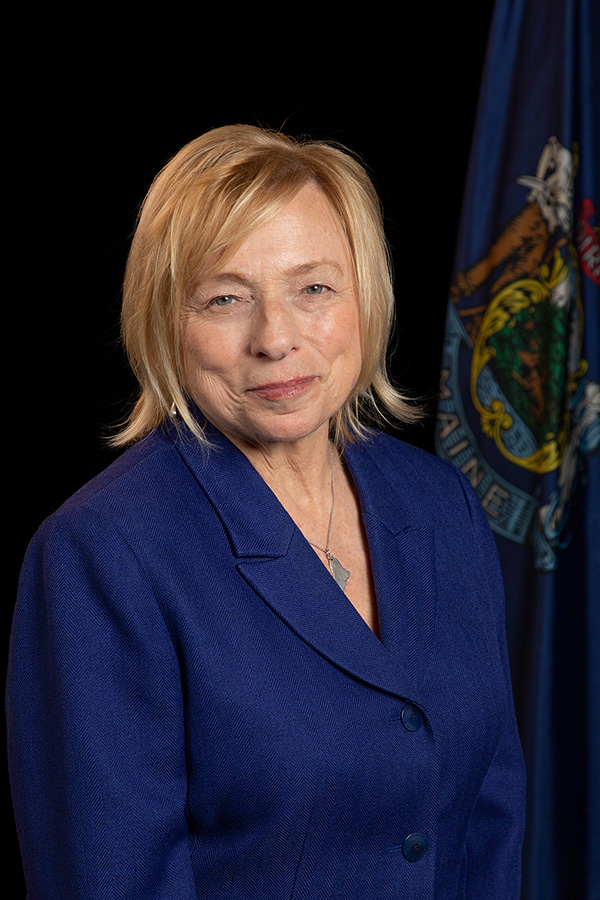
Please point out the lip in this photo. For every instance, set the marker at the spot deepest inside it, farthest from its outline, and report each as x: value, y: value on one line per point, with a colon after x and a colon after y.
x: 282, y: 390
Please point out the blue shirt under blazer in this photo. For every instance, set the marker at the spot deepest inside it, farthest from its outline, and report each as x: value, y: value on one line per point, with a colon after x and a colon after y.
x: 196, y: 710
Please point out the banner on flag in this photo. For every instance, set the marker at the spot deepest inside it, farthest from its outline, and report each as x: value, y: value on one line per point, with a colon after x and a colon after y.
x: 515, y: 386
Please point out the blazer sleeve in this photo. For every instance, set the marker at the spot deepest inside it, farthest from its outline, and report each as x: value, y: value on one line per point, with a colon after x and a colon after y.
x: 496, y: 827
x: 95, y: 723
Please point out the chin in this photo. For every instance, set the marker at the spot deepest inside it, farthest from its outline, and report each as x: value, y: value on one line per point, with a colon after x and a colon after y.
x: 286, y: 430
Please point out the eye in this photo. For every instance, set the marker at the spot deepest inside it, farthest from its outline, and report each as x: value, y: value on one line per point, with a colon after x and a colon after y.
x: 225, y: 300
x: 315, y: 289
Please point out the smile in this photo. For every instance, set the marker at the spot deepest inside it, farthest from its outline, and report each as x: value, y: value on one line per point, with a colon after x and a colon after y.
x: 282, y: 390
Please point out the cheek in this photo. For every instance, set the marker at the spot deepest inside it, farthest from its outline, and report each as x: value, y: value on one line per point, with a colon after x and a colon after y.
x: 355, y: 352
x: 207, y: 351
x: 344, y: 340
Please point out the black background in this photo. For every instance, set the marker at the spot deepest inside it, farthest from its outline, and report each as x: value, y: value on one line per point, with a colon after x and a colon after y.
x: 96, y: 108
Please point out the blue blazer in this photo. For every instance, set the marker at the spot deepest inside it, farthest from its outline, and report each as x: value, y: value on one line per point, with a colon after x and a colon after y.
x: 196, y: 710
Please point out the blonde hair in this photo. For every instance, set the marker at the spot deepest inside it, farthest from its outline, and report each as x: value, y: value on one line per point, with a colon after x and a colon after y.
x: 201, y: 207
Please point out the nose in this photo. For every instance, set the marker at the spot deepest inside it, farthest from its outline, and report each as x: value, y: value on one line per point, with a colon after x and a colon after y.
x: 274, y: 334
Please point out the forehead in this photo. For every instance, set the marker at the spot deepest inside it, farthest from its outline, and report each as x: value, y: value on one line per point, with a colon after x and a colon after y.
x: 305, y: 232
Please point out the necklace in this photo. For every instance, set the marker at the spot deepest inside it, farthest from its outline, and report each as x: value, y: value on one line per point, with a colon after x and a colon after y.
x: 340, y: 574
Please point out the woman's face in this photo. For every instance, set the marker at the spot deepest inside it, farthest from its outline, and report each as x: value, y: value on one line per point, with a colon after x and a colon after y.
x: 271, y: 342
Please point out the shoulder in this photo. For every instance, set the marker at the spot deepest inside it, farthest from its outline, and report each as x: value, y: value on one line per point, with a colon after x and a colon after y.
x: 428, y: 490
x: 416, y: 489
x: 410, y: 469
x: 121, y: 533
x: 129, y: 490
x: 434, y: 492
x: 142, y: 461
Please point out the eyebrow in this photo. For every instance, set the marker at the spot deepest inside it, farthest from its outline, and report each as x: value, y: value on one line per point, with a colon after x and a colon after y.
x: 307, y: 268
x: 295, y: 271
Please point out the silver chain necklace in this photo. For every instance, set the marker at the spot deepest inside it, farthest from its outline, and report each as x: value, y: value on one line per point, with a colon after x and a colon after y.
x: 340, y: 574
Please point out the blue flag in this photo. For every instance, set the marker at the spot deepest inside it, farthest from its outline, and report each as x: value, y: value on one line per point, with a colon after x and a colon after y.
x: 519, y: 406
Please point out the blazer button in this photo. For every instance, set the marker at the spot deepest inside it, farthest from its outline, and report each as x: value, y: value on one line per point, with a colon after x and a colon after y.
x: 412, y: 718
x: 414, y: 847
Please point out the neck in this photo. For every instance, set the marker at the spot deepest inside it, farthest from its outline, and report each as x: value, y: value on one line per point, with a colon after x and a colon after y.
x: 302, y: 475
x: 298, y: 473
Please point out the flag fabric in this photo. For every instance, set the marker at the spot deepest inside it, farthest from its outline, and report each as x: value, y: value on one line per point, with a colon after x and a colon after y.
x: 519, y: 405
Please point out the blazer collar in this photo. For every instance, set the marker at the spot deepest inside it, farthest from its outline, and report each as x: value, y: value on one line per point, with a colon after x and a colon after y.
x: 280, y: 565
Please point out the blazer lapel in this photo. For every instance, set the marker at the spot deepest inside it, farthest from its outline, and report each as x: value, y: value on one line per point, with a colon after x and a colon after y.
x: 402, y: 554
x: 279, y: 564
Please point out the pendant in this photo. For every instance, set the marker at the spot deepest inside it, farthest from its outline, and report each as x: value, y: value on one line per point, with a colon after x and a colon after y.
x: 340, y: 574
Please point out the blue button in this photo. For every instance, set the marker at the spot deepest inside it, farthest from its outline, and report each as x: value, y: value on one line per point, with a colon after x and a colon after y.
x: 414, y: 847
x: 412, y: 718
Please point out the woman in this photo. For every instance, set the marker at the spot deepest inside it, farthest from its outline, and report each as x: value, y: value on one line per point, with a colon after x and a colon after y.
x: 263, y: 654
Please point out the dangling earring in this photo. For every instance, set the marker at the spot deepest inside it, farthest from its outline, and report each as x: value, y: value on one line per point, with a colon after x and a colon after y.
x: 173, y: 410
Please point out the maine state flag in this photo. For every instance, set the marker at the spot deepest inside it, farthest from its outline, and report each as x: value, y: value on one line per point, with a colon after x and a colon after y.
x: 519, y: 406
